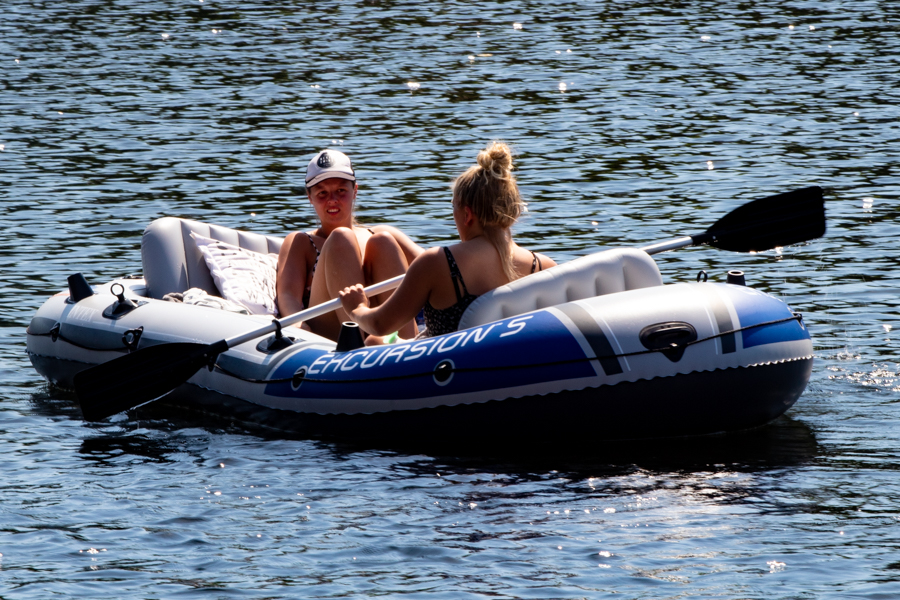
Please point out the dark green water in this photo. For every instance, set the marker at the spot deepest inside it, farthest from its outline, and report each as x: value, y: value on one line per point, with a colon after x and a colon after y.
x: 114, y: 113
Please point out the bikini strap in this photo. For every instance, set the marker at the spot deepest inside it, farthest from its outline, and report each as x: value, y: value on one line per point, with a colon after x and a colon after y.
x: 455, y: 275
x: 314, y: 246
x: 535, y: 262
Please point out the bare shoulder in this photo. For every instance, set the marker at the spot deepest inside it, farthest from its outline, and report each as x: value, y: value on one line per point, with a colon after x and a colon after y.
x: 299, y: 243
x: 546, y: 261
x: 430, y: 258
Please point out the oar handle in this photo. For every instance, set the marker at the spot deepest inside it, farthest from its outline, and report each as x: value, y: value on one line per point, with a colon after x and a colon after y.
x: 311, y: 313
x: 680, y: 242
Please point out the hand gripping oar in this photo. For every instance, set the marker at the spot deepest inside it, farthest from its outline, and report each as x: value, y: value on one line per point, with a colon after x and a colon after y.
x: 762, y: 224
x: 134, y: 379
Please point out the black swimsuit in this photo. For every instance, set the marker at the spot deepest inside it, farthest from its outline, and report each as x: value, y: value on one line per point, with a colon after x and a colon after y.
x: 309, y: 278
x: 439, y: 321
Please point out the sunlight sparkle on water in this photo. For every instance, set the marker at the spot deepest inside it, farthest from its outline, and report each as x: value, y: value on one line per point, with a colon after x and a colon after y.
x: 517, y: 26
x: 413, y: 85
x: 562, y: 86
x: 710, y: 165
x: 867, y: 204
x: 775, y: 566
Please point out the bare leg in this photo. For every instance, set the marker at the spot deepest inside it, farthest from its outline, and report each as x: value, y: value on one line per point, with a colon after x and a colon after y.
x: 340, y: 265
x: 385, y: 258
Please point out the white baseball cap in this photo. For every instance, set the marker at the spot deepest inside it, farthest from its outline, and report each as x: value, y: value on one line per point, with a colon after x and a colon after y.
x: 327, y: 164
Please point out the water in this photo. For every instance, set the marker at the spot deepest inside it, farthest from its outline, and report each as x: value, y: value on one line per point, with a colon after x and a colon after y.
x: 672, y: 113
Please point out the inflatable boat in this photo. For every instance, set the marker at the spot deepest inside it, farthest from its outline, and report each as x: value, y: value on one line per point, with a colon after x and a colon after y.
x: 598, y: 347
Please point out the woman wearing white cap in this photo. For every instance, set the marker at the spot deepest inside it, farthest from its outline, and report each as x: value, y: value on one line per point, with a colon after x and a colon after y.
x: 314, y: 266
x: 446, y: 280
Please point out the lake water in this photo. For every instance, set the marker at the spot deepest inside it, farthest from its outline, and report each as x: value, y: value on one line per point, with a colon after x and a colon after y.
x: 634, y: 122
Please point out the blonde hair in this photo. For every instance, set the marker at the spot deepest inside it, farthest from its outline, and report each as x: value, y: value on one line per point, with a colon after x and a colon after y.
x: 489, y: 190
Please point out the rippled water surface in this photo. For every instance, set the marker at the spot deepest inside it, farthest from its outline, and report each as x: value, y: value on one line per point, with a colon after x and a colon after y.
x: 634, y: 122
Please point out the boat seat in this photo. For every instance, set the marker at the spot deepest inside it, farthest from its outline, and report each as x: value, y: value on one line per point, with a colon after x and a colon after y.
x: 172, y: 262
x: 605, y: 272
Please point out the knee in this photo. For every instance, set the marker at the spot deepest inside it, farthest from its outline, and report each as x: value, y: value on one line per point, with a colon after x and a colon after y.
x: 343, y: 238
x: 382, y: 244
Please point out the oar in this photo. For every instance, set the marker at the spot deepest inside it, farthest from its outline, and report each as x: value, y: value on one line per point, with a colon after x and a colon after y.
x: 139, y: 377
x: 763, y: 224
x: 152, y: 372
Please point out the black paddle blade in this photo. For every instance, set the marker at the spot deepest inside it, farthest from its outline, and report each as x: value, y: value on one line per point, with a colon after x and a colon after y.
x: 136, y: 378
x: 770, y: 222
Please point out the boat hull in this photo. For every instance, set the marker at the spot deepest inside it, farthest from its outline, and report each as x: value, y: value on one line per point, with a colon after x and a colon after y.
x: 590, y: 368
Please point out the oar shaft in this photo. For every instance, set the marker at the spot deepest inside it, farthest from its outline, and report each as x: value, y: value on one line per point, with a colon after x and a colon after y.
x: 311, y: 313
x: 680, y: 242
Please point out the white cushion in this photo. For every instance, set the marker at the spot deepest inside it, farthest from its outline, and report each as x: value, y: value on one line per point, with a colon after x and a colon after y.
x: 172, y: 261
x: 198, y: 297
x: 605, y: 272
x: 242, y: 276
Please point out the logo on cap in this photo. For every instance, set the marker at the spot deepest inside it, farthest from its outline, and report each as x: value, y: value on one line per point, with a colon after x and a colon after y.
x: 324, y: 161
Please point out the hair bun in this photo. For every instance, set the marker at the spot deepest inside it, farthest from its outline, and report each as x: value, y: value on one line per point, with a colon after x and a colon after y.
x: 496, y: 159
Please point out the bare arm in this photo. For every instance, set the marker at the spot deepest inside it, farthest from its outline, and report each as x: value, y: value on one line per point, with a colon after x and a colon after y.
x: 290, y: 281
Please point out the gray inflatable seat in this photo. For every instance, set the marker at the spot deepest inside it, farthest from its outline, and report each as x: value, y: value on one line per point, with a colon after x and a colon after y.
x: 605, y: 272
x: 172, y: 262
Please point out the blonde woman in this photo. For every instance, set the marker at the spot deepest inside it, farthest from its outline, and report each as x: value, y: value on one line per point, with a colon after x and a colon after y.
x: 446, y: 280
x: 314, y: 266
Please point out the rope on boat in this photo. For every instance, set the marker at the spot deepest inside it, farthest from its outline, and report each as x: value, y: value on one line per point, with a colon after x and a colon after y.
x: 795, y: 317
x: 55, y: 334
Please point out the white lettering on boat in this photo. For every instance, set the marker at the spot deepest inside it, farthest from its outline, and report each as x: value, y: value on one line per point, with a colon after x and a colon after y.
x: 394, y: 351
x: 347, y: 366
x: 322, y: 359
x: 337, y: 361
x: 368, y: 358
x: 459, y: 336
x: 519, y: 325
x: 420, y: 347
x: 365, y: 364
x: 477, y: 334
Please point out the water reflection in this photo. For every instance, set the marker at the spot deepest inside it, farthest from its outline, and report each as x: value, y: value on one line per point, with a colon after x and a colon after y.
x: 784, y: 443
